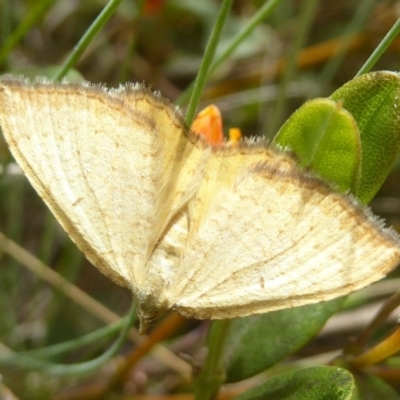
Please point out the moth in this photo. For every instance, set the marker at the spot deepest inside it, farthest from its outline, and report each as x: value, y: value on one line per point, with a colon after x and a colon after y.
x: 209, y: 231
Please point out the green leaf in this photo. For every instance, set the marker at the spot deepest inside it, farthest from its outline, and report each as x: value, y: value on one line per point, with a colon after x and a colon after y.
x: 325, y: 138
x: 373, y: 100
x: 317, y: 383
x: 258, y: 342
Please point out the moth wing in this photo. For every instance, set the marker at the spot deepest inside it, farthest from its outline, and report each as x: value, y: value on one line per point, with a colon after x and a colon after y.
x: 274, y: 237
x: 105, y: 162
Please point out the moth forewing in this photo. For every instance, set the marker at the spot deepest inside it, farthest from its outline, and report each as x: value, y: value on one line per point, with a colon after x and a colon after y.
x: 209, y: 231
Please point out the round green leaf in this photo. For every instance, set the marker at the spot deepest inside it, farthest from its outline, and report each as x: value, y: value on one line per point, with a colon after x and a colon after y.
x: 317, y: 383
x: 325, y: 138
x: 373, y: 100
x: 256, y: 343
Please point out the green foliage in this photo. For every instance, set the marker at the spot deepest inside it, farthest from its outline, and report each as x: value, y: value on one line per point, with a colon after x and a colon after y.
x: 373, y: 100
x: 353, y: 139
x: 325, y: 138
x: 259, y: 342
x: 317, y: 383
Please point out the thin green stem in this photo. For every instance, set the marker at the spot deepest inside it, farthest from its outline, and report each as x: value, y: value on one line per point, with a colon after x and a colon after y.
x: 307, y: 14
x: 61, y: 348
x: 37, y: 11
x: 86, y: 39
x: 383, y: 45
x: 212, y: 376
x: 28, y: 362
x: 264, y: 12
x: 207, y: 60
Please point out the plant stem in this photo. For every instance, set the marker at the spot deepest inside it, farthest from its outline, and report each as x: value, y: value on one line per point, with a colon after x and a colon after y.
x: 85, y: 40
x: 207, y: 60
x: 383, y: 350
x: 29, y: 362
x: 264, y: 12
x: 383, y: 45
x: 212, y: 376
